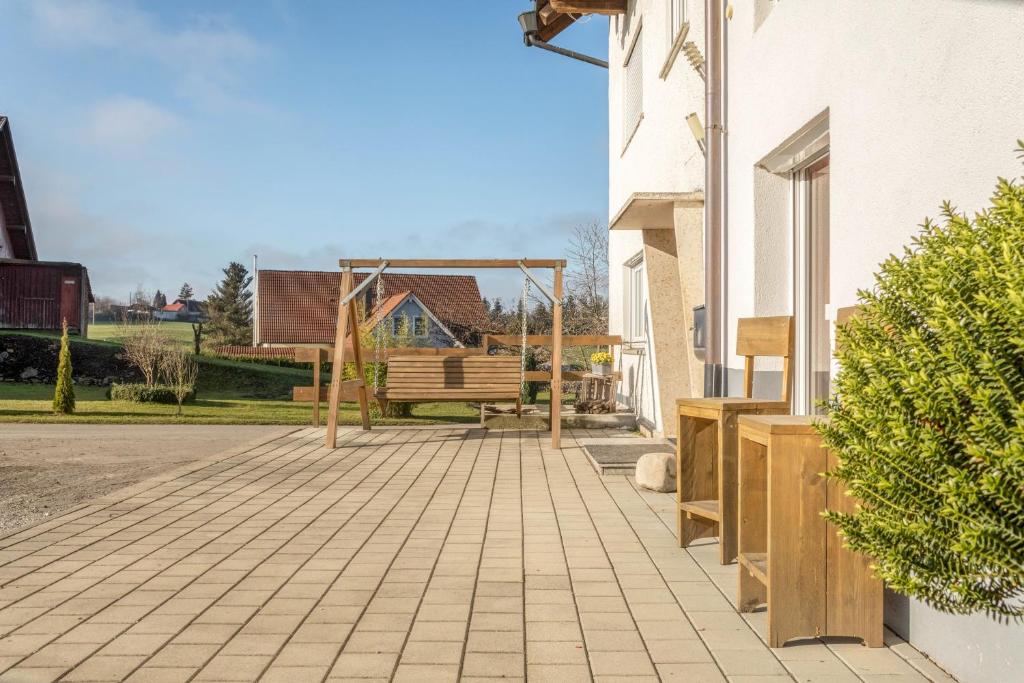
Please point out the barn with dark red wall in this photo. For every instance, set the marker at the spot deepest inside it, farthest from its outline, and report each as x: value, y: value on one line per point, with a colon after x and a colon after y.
x: 34, y: 294
x: 39, y: 295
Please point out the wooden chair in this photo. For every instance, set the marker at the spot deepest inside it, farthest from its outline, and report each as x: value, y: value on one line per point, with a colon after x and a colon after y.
x: 417, y: 379
x: 706, y: 439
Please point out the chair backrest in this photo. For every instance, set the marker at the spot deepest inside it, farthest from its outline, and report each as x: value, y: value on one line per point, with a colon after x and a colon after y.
x: 770, y: 336
x: 493, y: 376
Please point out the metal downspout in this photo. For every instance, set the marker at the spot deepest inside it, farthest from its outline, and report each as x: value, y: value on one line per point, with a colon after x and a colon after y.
x: 714, y: 261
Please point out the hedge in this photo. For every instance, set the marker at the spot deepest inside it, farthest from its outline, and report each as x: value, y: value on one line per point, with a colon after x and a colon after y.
x: 140, y: 393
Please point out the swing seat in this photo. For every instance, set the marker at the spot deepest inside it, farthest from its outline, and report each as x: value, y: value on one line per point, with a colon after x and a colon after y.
x: 479, y: 379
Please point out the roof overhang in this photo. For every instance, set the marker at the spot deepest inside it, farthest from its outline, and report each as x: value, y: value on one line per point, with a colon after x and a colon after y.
x: 12, y: 199
x: 554, y: 16
x: 655, y: 210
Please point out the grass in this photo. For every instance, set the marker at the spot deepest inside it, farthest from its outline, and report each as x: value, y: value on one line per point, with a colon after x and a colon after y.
x: 229, y: 392
x: 111, y: 332
x: 32, y: 403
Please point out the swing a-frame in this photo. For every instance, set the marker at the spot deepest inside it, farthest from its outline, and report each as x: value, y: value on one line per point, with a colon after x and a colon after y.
x: 438, y: 387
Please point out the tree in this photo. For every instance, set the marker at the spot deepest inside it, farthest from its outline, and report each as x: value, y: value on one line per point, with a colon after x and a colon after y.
x: 141, y: 297
x: 145, y: 345
x: 587, y: 281
x: 927, y: 418
x: 186, y: 292
x: 179, y: 372
x: 159, y: 299
x: 64, y: 394
x: 229, y: 308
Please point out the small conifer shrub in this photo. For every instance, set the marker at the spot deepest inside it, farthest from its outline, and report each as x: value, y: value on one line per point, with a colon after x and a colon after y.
x: 64, y: 393
x: 927, y: 418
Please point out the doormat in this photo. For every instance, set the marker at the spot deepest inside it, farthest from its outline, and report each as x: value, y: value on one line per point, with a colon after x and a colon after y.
x: 620, y: 458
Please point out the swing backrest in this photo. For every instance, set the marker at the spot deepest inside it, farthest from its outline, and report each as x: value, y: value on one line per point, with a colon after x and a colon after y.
x: 446, y: 378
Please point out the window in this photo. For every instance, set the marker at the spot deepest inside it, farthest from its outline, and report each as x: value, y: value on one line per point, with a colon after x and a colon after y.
x: 676, y: 19
x: 396, y: 325
x: 419, y: 326
x: 635, y: 298
x: 814, y: 349
x: 633, y: 89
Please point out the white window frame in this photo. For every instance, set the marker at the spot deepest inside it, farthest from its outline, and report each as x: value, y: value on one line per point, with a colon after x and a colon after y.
x: 677, y: 23
x: 395, y: 322
x: 630, y: 127
x: 416, y: 322
x: 634, y: 314
x: 803, y: 402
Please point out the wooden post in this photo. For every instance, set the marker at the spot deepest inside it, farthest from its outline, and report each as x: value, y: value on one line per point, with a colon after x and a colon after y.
x: 357, y: 354
x: 556, y: 362
x: 317, y: 360
x: 338, y: 362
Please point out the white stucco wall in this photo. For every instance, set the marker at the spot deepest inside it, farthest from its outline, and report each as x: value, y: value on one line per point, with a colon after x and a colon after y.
x: 924, y: 102
x: 661, y: 156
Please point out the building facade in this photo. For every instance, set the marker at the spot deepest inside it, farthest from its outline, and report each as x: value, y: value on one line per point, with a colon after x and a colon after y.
x: 844, y: 124
x: 655, y: 193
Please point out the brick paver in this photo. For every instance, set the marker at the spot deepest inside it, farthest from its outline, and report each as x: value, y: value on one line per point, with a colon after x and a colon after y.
x: 426, y: 554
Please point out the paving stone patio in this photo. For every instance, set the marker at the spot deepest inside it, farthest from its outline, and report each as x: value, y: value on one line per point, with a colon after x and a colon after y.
x: 406, y: 554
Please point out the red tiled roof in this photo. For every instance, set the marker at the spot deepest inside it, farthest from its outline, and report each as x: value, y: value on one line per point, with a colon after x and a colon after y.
x: 301, y: 306
x: 173, y: 308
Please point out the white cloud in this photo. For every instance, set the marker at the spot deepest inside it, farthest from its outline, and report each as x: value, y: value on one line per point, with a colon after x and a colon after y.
x: 125, y: 124
x: 204, y: 55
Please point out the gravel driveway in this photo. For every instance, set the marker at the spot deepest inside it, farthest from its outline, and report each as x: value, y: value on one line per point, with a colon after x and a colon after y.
x: 46, y: 469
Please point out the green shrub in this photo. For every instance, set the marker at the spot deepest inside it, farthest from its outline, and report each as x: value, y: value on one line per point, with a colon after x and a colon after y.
x: 64, y: 392
x: 928, y: 414
x: 140, y: 393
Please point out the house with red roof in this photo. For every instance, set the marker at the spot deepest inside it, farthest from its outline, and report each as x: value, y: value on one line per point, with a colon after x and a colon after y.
x: 299, y: 308
x: 182, y: 310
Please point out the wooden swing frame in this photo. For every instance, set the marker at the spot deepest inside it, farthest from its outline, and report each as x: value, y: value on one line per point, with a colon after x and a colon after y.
x: 348, y: 320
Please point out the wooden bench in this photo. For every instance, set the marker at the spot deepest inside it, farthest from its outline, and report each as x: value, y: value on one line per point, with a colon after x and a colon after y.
x: 419, y: 379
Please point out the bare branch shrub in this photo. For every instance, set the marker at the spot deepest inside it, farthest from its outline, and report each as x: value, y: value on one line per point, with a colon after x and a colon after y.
x: 145, y: 345
x: 179, y: 372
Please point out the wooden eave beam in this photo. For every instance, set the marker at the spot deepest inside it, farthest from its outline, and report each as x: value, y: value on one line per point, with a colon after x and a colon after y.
x: 589, y: 6
x: 549, y: 29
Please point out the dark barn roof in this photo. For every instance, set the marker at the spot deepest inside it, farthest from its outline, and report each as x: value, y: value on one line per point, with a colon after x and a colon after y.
x: 12, y: 199
x: 301, y: 306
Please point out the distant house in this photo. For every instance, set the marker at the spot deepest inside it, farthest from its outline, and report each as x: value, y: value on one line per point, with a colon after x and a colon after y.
x: 404, y: 314
x: 34, y: 294
x: 182, y: 310
x: 295, y: 308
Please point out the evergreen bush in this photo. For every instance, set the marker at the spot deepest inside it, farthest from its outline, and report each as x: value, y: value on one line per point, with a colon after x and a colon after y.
x: 64, y: 393
x: 927, y: 419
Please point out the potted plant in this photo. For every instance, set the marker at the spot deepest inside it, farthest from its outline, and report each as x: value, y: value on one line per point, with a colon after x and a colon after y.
x: 601, y: 363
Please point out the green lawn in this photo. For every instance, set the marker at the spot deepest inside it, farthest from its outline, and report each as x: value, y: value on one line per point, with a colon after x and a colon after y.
x: 229, y: 392
x: 178, y: 331
x: 31, y: 403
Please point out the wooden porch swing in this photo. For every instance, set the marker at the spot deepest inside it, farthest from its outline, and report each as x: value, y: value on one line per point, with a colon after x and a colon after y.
x: 443, y: 378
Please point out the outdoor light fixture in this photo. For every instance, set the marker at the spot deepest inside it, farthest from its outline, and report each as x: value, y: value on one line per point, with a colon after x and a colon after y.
x: 531, y: 37
x: 693, y: 121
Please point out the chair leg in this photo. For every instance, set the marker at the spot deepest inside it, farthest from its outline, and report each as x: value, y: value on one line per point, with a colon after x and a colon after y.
x: 483, y: 412
x: 519, y: 407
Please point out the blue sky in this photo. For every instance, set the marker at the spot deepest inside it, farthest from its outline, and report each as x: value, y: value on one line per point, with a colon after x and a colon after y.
x: 158, y: 141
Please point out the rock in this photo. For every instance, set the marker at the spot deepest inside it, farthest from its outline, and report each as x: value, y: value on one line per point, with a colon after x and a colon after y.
x: 657, y: 472
x: 29, y: 373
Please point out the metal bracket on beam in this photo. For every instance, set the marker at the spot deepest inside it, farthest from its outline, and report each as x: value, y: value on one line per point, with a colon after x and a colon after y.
x: 544, y: 290
x: 365, y: 283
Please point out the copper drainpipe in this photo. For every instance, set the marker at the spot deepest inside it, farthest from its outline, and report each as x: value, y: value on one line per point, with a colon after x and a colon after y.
x: 714, y: 215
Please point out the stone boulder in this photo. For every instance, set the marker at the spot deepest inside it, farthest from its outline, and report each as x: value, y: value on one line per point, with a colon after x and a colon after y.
x: 657, y: 472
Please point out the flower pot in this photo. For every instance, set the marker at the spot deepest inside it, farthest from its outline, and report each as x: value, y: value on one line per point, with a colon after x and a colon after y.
x: 601, y: 369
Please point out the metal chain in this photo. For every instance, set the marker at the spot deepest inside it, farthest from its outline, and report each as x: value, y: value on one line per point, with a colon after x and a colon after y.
x: 378, y: 333
x: 525, y: 300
